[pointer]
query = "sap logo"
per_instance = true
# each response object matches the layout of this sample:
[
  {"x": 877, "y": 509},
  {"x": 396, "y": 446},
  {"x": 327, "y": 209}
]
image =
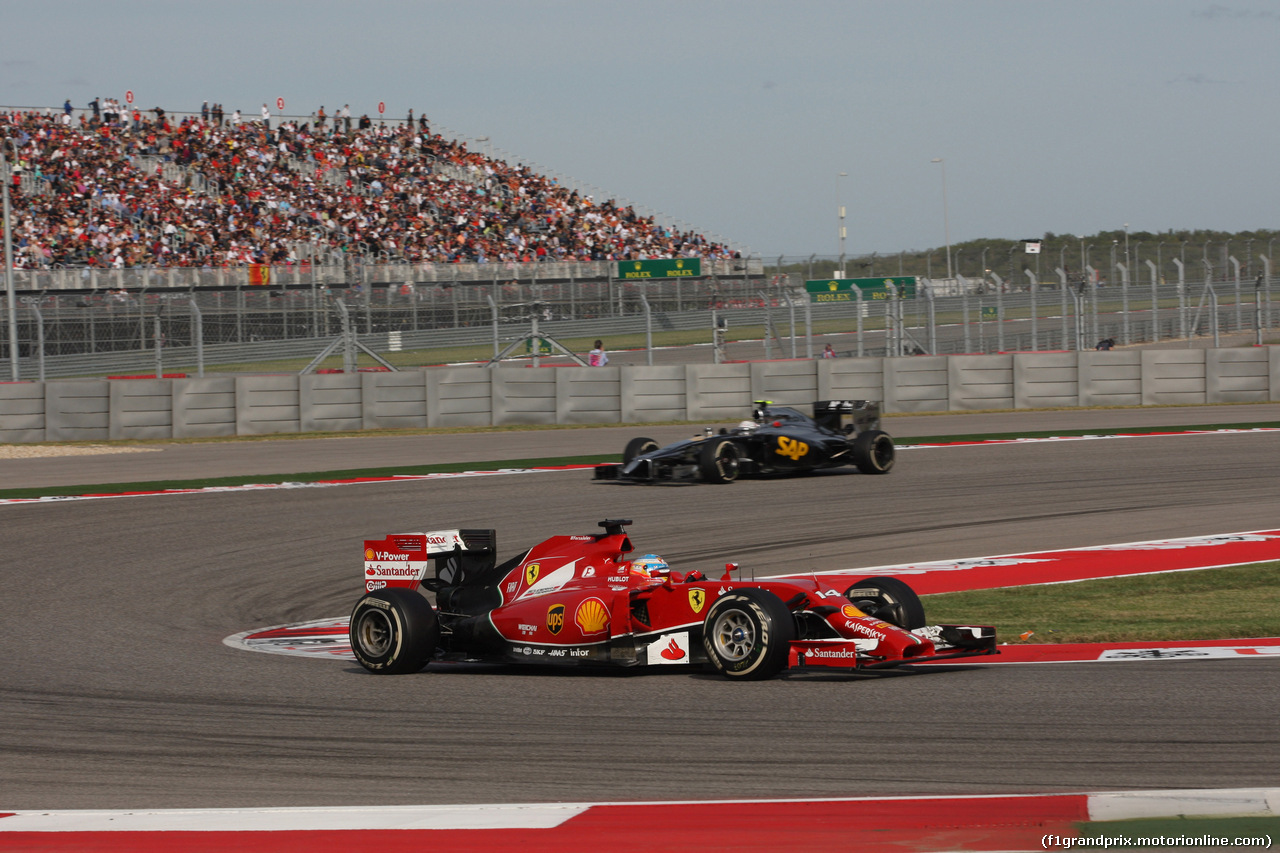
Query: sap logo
[{"x": 791, "y": 448}]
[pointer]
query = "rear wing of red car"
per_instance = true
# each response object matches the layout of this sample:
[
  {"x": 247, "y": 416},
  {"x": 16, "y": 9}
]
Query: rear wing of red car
[{"x": 402, "y": 559}]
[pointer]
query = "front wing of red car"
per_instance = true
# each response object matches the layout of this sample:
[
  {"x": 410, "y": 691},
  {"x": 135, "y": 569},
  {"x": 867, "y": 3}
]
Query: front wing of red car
[{"x": 924, "y": 645}]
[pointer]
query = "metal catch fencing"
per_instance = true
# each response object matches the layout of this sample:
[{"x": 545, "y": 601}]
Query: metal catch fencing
[{"x": 251, "y": 330}]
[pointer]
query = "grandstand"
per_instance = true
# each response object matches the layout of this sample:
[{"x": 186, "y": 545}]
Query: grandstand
[{"x": 127, "y": 189}]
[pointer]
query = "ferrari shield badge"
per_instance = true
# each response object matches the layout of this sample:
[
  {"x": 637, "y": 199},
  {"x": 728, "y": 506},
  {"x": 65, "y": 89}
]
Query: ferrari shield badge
[
  {"x": 531, "y": 573},
  {"x": 697, "y": 598}
]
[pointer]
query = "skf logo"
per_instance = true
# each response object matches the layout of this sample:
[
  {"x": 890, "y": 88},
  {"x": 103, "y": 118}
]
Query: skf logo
[
  {"x": 592, "y": 616},
  {"x": 555, "y": 618},
  {"x": 697, "y": 598},
  {"x": 791, "y": 448},
  {"x": 531, "y": 573}
]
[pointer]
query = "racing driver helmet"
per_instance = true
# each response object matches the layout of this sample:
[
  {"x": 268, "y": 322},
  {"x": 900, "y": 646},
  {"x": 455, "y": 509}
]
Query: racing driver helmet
[{"x": 648, "y": 566}]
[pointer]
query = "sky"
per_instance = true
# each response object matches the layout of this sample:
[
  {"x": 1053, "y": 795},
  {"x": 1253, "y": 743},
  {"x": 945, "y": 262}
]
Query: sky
[{"x": 738, "y": 118}]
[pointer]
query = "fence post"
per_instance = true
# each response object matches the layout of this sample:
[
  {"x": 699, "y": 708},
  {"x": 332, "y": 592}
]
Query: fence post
[
  {"x": 857, "y": 295},
  {"x": 808, "y": 328},
  {"x": 1155, "y": 302},
  {"x": 1035, "y": 309},
  {"x": 648, "y": 329},
  {"x": 999, "y": 311},
  {"x": 1124, "y": 303},
  {"x": 197, "y": 331},
  {"x": 33, "y": 303},
  {"x": 493, "y": 309},
  {"x": 1266, "y": 271},
  {"x": 933, "y": 317},
  {"x": 1239, "y": 296}
]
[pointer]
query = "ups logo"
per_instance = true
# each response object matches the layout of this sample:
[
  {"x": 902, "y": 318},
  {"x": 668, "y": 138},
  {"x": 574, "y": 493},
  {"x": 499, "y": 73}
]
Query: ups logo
[
  {"x": 555, "y": 618},
  {"x": 791, "y": 448}
]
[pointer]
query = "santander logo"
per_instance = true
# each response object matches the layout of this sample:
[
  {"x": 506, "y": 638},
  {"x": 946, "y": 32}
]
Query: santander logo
[{"x": 673, "y": 651}]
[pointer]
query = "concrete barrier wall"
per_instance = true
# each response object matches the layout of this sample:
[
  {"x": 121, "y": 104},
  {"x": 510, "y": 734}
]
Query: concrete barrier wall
[{"x": 100, "y": 409}]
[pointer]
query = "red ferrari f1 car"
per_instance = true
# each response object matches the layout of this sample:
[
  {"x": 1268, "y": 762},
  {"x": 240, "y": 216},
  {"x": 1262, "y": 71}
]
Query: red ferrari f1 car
[{"x": 575, "y": 600}]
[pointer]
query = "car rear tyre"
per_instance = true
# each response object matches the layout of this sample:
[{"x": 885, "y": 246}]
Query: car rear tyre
[
  {"x": 873, "y": 452},
  {"x": 747, "y": 634},
  {"x": 394, "y": 631},
  {"x": 719, "y": 461},
  {"x": 889, "y": 599},
  {"x": 638, "y": 447}
]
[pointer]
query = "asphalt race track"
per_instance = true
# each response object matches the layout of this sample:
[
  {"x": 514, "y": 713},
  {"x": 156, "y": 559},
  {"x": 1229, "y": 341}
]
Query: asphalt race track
[{"x": 116, "y": 690}]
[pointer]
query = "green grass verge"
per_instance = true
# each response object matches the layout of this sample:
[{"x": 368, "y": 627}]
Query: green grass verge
[
  {"x": 314, "y": 476},
  {"x": 1066, "y": 433},
  {"x": 1230, "y": 602},
  {"x": 307, "y": 477},
  {"x": 1198, "y": 832}
]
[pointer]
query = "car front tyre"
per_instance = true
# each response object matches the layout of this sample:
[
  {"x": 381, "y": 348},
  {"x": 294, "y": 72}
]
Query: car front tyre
[
  {"x": 747, "y": 634},
  {"x": 719, "y": 461},
  {"x": 393, "y": 631},
  {"x": 638, "y": 447},
  {"x": 889, "y": 599}
]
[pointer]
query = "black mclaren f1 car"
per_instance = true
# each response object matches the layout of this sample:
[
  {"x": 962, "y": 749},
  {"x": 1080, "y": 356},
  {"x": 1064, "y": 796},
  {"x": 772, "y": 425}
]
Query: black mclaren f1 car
[{"x": 775, "y": 440}]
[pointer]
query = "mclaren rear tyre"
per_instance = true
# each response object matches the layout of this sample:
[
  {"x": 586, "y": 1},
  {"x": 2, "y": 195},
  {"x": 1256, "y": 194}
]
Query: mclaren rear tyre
[
  {"x": 394, "y": 631},
  {"x": 873, "y": 452},
  {"x": 889, "y": 599},
  {"x": 719, "y": 461},
  {"x": 638, "y": 447},
  {"x": 747, "y": 634}
]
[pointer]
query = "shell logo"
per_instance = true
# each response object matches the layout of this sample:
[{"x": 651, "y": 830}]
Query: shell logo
[
  {"x": 368, "y": 553},
  {"x": 592, "y": 616},
  {"x": 851, "y": 611}
]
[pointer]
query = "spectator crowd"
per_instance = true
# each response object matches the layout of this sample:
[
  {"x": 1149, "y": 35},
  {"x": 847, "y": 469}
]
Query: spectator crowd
[{"x": 118, "y": 187}]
